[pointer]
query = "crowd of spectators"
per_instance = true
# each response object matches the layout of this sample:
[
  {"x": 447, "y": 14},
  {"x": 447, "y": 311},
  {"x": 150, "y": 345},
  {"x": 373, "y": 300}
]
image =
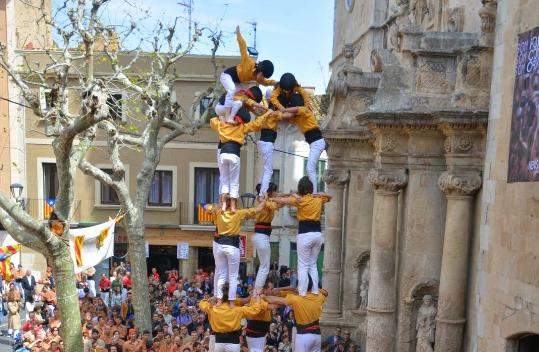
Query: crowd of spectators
[{"x": 107, "y": 312}]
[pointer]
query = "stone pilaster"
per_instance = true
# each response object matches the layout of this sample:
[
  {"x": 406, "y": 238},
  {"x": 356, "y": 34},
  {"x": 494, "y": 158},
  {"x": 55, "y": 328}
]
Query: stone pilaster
[
  {"x": 381, "y": 325},
  {"x": 336, "y": 180},
  {"x": 459, "y": 190}
]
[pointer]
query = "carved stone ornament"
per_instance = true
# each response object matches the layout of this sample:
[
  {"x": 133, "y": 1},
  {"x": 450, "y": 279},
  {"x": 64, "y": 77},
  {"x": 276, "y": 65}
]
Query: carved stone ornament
[
  {"x": 488, "y": 16},
  {"x": 338, "y": 84},
  {"x": 376, "y": 61},
  {"x": 464, "y": 184},
  {"x": 336, "y": 177},
  {"x": 388, "y": 180},
  {"x": 350, "y": 5}
]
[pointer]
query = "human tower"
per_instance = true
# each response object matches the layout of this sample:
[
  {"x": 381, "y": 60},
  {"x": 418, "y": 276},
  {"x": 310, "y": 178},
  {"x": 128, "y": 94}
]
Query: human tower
[{"x": 288, "y": 101}]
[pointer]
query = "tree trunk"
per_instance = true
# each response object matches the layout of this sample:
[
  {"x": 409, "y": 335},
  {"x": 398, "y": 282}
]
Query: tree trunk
[
  {"x": 68, "y": 299},
  {"x": 139, "y": 271}
]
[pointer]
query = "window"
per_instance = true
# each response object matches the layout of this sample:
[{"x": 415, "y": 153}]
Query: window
[
  {"x": 108, "y": 195},
  {"x": 320, "y": 170},
  {"x": 50, "y": 181},
  {"x": 161, "y": 189},
  {"x": 206, "y": 190},
  {"x": 204, "y": 103},
  {"x": 45, "y": 99},
  {"x": 115, "y": 103}
]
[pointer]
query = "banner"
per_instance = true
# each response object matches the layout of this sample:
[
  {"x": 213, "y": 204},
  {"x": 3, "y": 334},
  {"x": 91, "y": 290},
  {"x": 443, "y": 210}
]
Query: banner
[
  {"x": 243, "y": 246},
  {"x": 182, "y": 250},
  {"x": 147, "y": 249},
  {"x": 5, "y": 259},
  {"x": 89, "y": 246},
  {"x": 524, "y": 141}
]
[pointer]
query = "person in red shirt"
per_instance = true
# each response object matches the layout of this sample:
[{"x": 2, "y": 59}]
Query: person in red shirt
[
  {"x": 172, "y": 286},
  {"x": 155, "y": 276},
  {"x": 126, "y": 280},
  {"x": 104, "y": 288}
]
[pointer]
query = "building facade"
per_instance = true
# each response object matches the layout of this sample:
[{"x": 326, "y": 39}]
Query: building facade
[
  {"x": 428, "y": 243},
  {"x": 187, "y": 176}
]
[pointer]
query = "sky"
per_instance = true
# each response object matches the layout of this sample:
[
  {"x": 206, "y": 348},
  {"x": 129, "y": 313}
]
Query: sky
[{"x": 296, "y": 35}]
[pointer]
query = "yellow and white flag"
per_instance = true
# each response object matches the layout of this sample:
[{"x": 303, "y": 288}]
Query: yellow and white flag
[{"x": 89, "y": 246}]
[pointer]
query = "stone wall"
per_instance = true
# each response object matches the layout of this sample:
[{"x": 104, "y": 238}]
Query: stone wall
[{"x": 505, "y": 278}]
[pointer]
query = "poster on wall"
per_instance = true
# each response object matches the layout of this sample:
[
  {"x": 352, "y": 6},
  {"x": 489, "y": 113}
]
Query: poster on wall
[{"x": 524, "y": 141}]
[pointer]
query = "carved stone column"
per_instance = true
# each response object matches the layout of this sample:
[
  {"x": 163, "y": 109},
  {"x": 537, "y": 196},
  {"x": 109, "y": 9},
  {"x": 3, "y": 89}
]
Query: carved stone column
[
  {"x": 336, "y": 181},
  {"x": 459, "y": 189},
  {"x": 381, "y": 325}
]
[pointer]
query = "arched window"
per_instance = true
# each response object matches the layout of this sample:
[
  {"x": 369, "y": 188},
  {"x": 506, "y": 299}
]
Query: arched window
[{"x": 523, "y": 342}]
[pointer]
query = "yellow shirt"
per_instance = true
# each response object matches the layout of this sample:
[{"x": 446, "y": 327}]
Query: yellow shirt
[
  {"x": 245, "y": 100},
  {"x": 227, "y": 222},
  {"x": 297, "y": 89},
  {"x": 305, "y": 120},
  {"x": 265, "y": 312},
  {"x": 246, "y": 68},
  {"x": 306, "y": 309},
  {"x": 224, "y": 318},
  {"x": 309, "y": 207},
  {"x": 236, "y": 133},
  {"x": 267, "y": 214}
]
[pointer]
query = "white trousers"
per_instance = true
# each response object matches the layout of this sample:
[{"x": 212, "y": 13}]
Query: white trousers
[
  {"x": 256, "y": 344},
  {"x": 265, "y": 150},
  {"x": 229, "y": 174},
  {"x": 212, "y": 343},
  {"x": 220, "y": 110},
  {"x": 227, "y": 265},
  {"x": 316, "y": 149},
  {"x": 261, "y": 243},
  {"x": 91, "y": 286},
  {"x": 308, "y": 245},
  {"x": 307, "y": 343},
  {"x": 219, "y": 166},
  {"x": 227, "y": 347}
]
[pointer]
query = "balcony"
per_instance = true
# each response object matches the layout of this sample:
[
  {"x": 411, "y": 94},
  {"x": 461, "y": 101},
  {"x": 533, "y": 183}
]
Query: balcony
[{"x": 42, "y": 209}]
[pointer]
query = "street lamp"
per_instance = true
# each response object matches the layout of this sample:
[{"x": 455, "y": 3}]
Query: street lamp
[
  {"x": 16, "y": 193},
  {"x": 248, "y": 199}
]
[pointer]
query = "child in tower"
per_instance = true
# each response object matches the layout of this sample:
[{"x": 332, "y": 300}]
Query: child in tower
[
  {"x": 248, "y": 98},
  {"x": 247, "y": 71},
  {"x": 307, "y": 125},
  {"x": 309, "y": 240},
  {"x": 285, "y": 90},
  {"x": 232, "y": 137},
  {"x": 226, "y": 244}
]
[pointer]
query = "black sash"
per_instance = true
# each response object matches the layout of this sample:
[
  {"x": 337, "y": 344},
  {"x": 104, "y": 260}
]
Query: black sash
[
  {"x": 230, "y": 240},
  {"x": 257, "y": 328},
  {"x": 313, "y": 135},
  {"x": 231, "y": 148},
  {"x": 311, "y": 328},
  {"x": 233, "y": 72},
  {"x": 268, "y": 135},
  {"x": 309, "y": 226},
  {"x": 228, "y": 337}
]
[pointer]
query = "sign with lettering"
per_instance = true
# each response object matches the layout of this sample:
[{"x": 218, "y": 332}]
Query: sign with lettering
[
  {"x": 524, "y": 141},
  {"x": 243, "y": 246},
  {"x": 182, "y": 250}
]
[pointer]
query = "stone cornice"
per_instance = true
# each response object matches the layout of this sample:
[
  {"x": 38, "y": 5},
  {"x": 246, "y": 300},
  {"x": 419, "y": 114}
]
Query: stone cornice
[
  {"x": 339, "y": 178},
  {"x": 459, "y": 184},
  {"x": 350, "y": 136},
  {"x": 388, "y": 180},
  {"x": 463, "y": 119}
]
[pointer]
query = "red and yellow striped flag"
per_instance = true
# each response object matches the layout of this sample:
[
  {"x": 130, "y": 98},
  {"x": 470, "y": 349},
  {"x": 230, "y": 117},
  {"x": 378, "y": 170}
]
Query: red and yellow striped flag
[
  {"x": 5, "y": 259},
  {"x": 79, "y": 240}
]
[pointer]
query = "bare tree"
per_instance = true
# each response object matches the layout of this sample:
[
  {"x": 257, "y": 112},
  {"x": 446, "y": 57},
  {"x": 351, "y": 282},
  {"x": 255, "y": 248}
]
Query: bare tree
[
  {"x": 83, "y": 42},
  {"x": 164, "y": 121}
]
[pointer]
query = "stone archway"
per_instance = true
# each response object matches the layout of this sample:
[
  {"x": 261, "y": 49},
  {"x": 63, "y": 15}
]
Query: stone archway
[
  {"x": 411, "y": 305},
  {"x": 361, "y": 266}
]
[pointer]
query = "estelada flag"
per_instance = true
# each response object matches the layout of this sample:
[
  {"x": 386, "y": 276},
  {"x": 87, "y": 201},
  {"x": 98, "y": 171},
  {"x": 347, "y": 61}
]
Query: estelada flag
[
  {"x": 89, "y": 246},
  {"x": 5, "y": 259}
]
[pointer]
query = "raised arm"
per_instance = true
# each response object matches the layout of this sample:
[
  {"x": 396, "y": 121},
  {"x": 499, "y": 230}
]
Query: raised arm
[
  {"x": 323, "y": 195},
  {"x": 275, "y": 300},
  {"x": 284, "y": 200},
  {"x": 243, "y": 46}
]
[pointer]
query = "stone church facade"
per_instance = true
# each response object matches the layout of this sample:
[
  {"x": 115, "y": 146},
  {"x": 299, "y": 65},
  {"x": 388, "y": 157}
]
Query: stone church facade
[{"x": 427, "y": 246}]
